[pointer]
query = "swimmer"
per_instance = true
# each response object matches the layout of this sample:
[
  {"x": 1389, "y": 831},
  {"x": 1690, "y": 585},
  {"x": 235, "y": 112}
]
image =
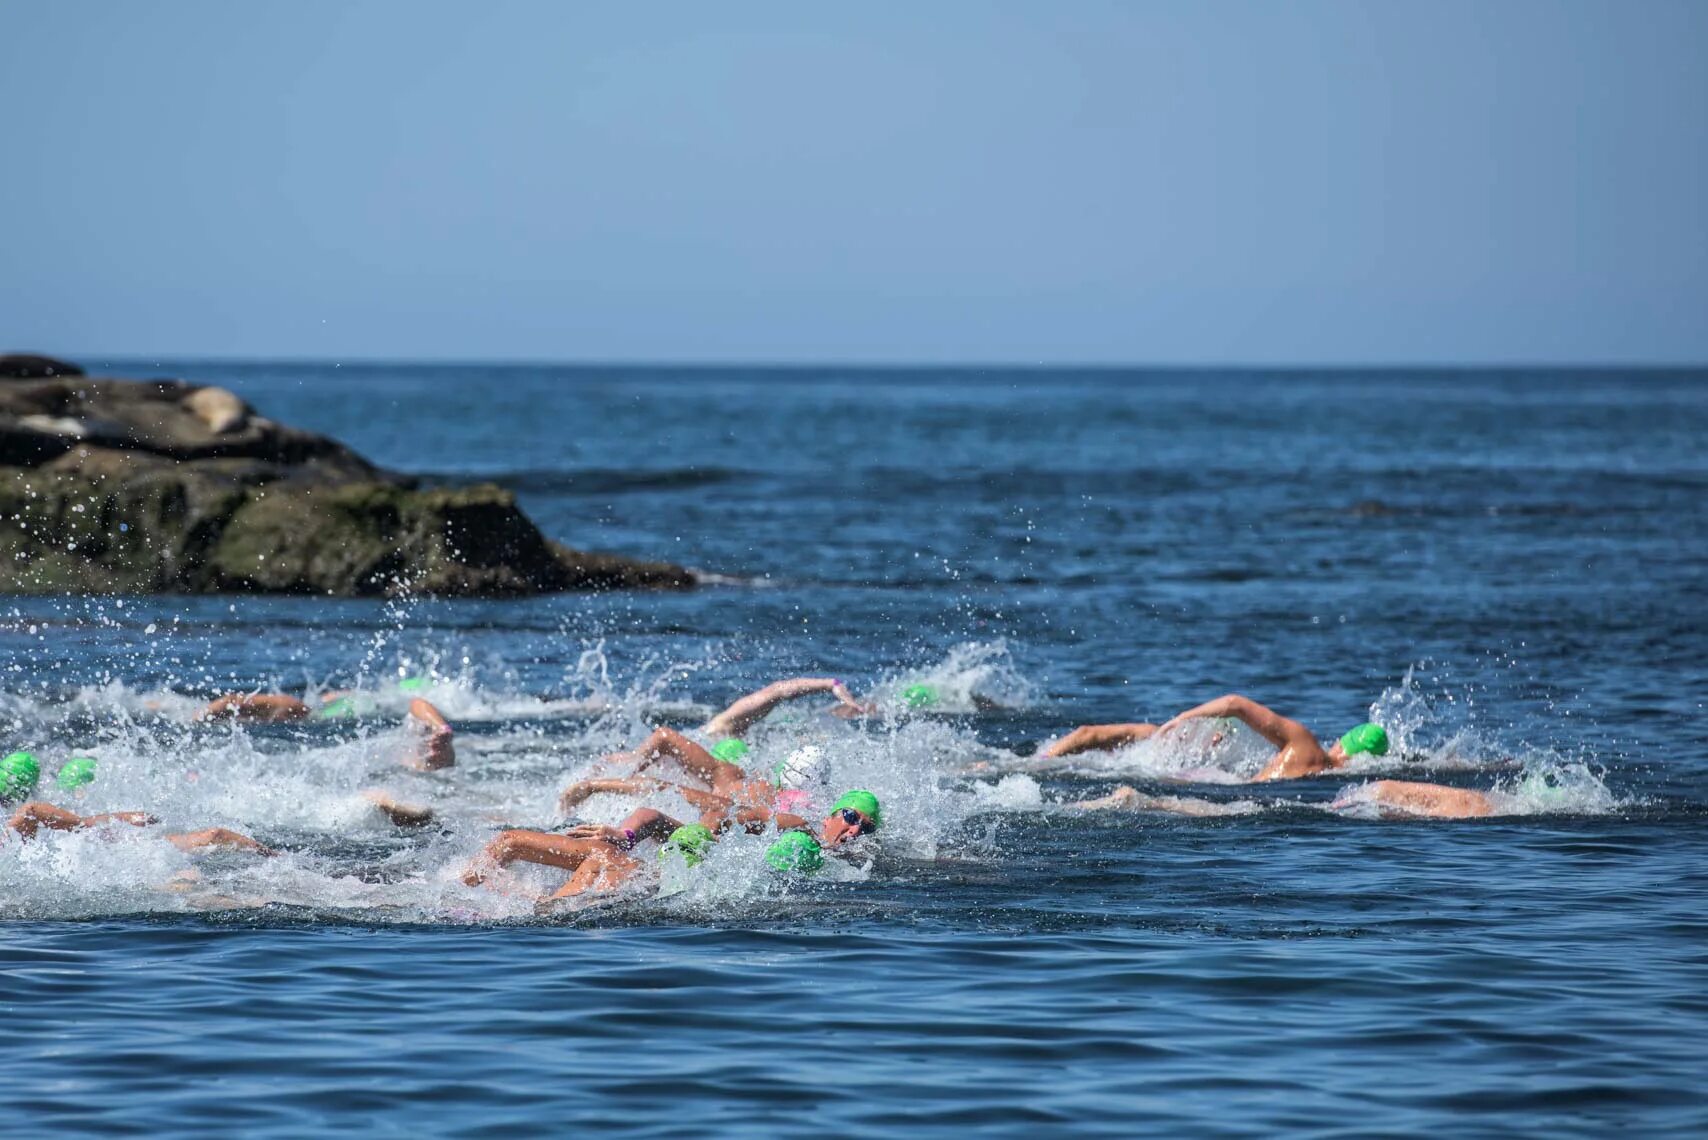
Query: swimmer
[
  {"x": 600, "y": 857},
  {"x": 32, "y": 817},
  {"x": 855, "y": 814},
  {"x": 1392, "y": 799},
  {"x": 1298, "y": 754}
]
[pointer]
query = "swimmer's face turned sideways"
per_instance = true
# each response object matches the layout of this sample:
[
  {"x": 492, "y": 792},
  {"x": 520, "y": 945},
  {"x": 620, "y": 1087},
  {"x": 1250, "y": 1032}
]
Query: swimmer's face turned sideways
[{"x": 855, "y": 815}]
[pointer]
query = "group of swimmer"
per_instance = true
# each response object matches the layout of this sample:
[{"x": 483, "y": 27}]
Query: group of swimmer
[{"x": 793, "y": 802}]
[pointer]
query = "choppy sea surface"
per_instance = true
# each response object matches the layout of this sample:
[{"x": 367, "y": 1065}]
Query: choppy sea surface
[{"x": 1509, "y": 569}]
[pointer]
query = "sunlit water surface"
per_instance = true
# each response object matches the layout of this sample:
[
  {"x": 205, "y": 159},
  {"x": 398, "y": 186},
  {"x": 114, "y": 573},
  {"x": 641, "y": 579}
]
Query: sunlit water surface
[{"x": 1509, "y": 570}]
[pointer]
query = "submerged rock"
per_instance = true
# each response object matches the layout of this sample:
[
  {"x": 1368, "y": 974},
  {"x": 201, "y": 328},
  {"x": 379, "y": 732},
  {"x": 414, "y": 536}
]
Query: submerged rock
[{"x": 118, "y": 486}]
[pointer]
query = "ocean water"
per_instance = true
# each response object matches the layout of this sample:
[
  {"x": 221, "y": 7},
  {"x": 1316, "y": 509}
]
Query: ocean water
[{"x": 1510, "y": 569}]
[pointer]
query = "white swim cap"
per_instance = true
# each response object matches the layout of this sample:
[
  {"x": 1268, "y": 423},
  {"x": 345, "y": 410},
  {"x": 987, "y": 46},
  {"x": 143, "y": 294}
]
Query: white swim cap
[{"x": 806, "y": 768}]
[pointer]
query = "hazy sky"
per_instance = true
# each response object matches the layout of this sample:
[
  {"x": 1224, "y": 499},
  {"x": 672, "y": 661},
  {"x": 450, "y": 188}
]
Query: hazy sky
[{"x": 884, "y": 181}]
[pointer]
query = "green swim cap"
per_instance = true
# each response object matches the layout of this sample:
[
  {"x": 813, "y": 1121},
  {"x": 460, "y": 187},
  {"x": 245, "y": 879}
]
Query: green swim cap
[
  {"x": 863, "y": 802},
  {"x": 1371, "y": 738},
  {"x": 19, "y": 775},
  {"x": 729, "y": 751},
  {"x": 411, "y": 684},
  {"x": 919, "y": 696},
  {"x": 76, "y": 772},
  {"x": 795, "y": 851},
  {"x": 692, "y": 840},
  {"x": 336, "y": 709}
]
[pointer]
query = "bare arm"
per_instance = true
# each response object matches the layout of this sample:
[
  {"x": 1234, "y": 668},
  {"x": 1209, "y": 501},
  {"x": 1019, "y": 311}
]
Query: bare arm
[
  {"x": 217, "y": 839},
  {"x": 401, "y": 814},
  {"x": 605, "y": 868},
  {"x": 1099, "y": 738},
  {"x": 642, "y": 823},
  {"x": 265, "y": 707},
  {"x": 424, "y": 712},
  {"x": 1266, "y": 722},
  {"x": 1128, "y": 798},
  {"x": 35, "y": 815},
  {"x": 753, "y": 819},
  {"x": 437, "y": 750},
  {"x": 755, "y": 707},
  {"x": 524, "y": 846},
  {"x": 578, "y": 793},
  {"x": 1408, "y": 798},
  {"x": 667, "y": 742}
]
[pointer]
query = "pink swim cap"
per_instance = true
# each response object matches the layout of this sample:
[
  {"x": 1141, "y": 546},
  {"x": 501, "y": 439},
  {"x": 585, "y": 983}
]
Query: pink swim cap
[{"x": 794, "y": 800}]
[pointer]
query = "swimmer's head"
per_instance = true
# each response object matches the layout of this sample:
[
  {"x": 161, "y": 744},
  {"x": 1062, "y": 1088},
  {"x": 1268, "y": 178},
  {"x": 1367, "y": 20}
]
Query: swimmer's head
[
  {"x": 857, "y": 813},
  {"x": 76, "y": 772},
  {"x": 19, "y": 775},
  {"x": 338, "y": 708},
  {"x": 692, "y": 841},
  {"x": 919, "y": 696},
  {"x": 730, "y": 751},
  {"x": 1371, "y": 738},
  {"x": 795, "y": 851},
  {"x": 805, "y": 768},
  {"x": 412, "y": 684}
]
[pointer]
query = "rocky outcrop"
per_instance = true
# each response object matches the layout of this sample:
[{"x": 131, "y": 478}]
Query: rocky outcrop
[
  {"x": 28, "y": 366},
  {"x": 118, "y": 486}
]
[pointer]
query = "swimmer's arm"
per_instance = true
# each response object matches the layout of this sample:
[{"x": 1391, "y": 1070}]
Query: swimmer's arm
[
  {"x": 650, "y": 823},
  {"x": 668, "y": 742},
  {"x": 755, "y": 707},
  {"x": 1129, "y": 798},
  {"x": 1410, "y": 798},
  {"x": 602, "y": 869},
  {"x": 399, "y": 813},
  {"x": 256, "y": 706},
  {"x": 424, "y": 712},
  {"x": 1264, "y": 721},
  {"x": 1099, "y": 738},
  {"x": 753, "y": 819},
  {"x": 438, "y": 749},
  {"x": 642, "y": 823},
  {"x": 218, "y": 839},
  {"x": 580, "y": 791},
  {"x": 35, "y": 815}
]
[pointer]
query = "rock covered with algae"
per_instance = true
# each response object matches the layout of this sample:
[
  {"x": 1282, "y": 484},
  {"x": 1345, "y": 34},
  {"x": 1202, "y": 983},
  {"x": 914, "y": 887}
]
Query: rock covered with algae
[{"x": 119, "y": 486}]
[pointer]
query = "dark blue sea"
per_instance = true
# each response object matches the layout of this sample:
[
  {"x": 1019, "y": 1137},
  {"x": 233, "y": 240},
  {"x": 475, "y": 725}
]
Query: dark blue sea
[{"x": 1508, "y": 569}]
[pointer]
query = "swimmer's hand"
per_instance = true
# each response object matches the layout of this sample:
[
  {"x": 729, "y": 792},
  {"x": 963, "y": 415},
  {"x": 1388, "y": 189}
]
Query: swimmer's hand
[
  {"x": 848, "y": 705},
  {"x": 134, "y": 818},
  {"x": 609, "y": 834}
]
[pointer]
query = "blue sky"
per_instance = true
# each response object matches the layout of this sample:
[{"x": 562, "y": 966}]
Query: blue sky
[{"x": 993, "y": 182}]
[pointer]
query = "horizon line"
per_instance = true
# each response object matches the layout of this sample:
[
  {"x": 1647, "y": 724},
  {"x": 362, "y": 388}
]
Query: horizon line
[{"x": 724, "y": 365}]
